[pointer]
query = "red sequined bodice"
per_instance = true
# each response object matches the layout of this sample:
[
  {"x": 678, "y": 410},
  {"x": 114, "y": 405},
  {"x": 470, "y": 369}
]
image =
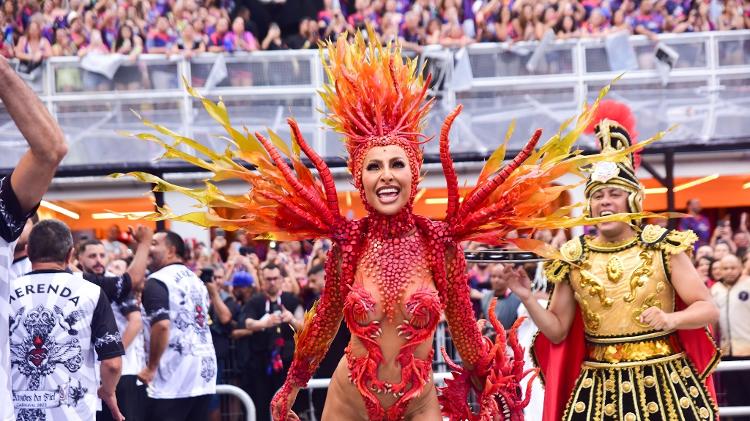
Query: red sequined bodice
[{"x": 392, "y": 302}]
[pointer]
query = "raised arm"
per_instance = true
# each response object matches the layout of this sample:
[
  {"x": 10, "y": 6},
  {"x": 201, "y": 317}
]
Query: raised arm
[
  {"x": 37, "y": 166},
  {"x": 312, "y": 342},
  {"x": 137, "y": 268},
  {"x": 554, "y": 322}
]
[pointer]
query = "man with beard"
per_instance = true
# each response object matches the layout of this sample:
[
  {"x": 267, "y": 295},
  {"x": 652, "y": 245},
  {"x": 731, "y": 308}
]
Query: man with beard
[
  {"x": 732, "y": 296},
  {"x": 21, "y": 192},
  {"x": 92, "y": 260},
  {"x": 181, "y": 368}
]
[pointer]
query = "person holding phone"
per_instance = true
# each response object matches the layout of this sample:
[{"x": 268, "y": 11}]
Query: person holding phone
[{"x": 272, "y": 316}]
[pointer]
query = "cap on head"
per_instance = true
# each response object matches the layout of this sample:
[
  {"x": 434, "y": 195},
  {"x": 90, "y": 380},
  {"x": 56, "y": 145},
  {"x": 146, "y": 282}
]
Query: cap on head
[{"x": 242, "y": 279}]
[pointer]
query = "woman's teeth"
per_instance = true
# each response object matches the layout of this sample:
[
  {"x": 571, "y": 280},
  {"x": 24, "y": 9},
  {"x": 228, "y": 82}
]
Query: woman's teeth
[
  {"x": 605, "y": 213},
  {"x": 387, "y": 194}
]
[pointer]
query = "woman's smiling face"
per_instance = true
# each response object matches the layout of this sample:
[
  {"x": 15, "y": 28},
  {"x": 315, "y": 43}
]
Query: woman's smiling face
[{"x": 386, "y": 179}]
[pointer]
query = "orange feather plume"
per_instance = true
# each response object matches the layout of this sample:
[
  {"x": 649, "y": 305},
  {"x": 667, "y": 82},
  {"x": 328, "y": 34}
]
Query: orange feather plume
[{"x": 375, "y": 97}]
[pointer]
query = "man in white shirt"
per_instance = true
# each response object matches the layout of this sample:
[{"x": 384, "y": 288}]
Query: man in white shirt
[
  {"x": 60, "y": 325},
  {"x": 20, "y": 194},
  {"x": 181, "y": 368},
  {"x": 732, "y": 297},
  {"x": 93, "y": 260}
]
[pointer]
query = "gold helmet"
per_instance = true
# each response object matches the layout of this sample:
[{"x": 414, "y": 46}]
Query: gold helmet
[{"x": 614, "y": 127}]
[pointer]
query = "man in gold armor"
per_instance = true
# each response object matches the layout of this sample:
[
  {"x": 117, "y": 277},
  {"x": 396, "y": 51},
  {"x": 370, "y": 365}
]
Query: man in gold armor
[{"x": 624, "y": 336}]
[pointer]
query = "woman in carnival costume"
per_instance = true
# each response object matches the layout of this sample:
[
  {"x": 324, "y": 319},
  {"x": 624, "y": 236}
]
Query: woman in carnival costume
[
  {"x": 391, "y": 274},
  {"x": 625, "y": 336}
]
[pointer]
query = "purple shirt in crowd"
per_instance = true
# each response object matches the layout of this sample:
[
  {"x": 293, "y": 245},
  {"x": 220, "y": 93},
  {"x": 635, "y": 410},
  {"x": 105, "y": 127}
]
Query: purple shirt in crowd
[{"x": 700, "y": 225}]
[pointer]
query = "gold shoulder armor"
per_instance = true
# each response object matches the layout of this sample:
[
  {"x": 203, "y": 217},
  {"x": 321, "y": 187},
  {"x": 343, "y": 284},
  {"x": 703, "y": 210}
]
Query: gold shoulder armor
[
  {"x": 652, "y": 234},
  {"x": 670, "y": 241},
  {"x": 558, "y": 270},
  {"x": 572, "y": 250},
  {"x": 679, "y": 241}
]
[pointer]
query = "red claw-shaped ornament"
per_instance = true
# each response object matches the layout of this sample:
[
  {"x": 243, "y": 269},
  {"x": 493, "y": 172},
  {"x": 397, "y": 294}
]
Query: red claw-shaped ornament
[{"x": 499, "y": 376}]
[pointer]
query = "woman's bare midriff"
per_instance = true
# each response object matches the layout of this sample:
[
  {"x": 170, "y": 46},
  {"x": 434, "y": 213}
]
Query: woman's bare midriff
[{"x": 344, "y": 401}]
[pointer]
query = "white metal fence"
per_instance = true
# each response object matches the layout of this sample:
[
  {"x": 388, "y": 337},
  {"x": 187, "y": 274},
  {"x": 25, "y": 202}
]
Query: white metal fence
[{"x": 539, "y": 85}]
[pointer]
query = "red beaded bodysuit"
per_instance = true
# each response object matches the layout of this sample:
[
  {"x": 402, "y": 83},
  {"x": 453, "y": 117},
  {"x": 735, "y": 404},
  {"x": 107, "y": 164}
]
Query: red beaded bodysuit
[{"x": 389, "y": 277}]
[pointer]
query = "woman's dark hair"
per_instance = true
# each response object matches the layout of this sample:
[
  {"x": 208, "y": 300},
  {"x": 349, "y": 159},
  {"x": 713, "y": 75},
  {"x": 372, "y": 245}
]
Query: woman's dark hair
[
  {"x": 120, "y": 40},
  {"x": 710, "y": 262},
  {"x": 559, "y": 26}
]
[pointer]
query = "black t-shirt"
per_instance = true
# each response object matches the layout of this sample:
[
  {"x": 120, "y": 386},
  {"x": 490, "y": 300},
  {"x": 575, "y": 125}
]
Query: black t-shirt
[
  {"x": 117, "y": 288},
  {"x": 264, "y": 342},
  {"x": 221, "y": 333},
  {"x": 12, "y": 217},
  {"x": 129, "y": 305},
  {"x": 104, "y": 333},
  {"x": 156, "y": 300}
]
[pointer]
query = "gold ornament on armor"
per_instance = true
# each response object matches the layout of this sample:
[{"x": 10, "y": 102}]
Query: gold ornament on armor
[
  {"x": 594, "y": 285},
  {"x": 590, "y": 318},
  {"x": 640, "y": 275},
  {"x": 614, "y": 269},
  {"x": 650, "y": 301}
]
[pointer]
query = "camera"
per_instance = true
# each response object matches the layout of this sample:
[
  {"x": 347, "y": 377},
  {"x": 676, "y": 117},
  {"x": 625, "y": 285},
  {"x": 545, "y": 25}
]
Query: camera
[{"x": 207, "y": 275}]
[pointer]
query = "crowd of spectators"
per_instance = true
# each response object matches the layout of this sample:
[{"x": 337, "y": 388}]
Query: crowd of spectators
[
  {"x": 256, "y": 341},
  {"x": 33, "y": 30}
]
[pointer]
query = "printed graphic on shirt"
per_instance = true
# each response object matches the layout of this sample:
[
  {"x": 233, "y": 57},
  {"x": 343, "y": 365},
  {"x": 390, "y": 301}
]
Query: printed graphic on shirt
[
  {"x": 208, "y": 369},
  {"x": 193, "y": 317},
  {"x": 40, "y": 352}
]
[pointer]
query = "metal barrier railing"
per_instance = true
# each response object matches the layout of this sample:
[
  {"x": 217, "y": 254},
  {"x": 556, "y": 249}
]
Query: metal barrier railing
[
  {"x": 725, "y": 411},
  {"x": 496, "y": 83},
  {"x": 228, "y": 389}
]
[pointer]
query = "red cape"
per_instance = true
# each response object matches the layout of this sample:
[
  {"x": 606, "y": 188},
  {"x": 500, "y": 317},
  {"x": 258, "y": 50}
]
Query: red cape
[{"x": 560, "y": 364}]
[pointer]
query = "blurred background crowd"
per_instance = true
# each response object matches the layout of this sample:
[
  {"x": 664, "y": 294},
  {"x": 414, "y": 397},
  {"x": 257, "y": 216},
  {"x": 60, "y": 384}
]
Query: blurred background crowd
[
  {"x": 236, "y": 267},
  {"x": 32, "y": 30}
]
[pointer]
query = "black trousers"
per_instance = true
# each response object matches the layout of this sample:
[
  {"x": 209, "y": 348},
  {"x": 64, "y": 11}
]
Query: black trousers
[
  {"x": 183, "y": 409},
  {"x": 261, "y": 387},
  {"x": 131, "y": 399}
]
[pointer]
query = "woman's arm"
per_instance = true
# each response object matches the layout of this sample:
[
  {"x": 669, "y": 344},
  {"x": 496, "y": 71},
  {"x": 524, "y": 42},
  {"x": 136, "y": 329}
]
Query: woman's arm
[
  {"x": 20, "y": 49},
  {"x": 459, "y": 312},
  {"x": 315, "y": 338}
]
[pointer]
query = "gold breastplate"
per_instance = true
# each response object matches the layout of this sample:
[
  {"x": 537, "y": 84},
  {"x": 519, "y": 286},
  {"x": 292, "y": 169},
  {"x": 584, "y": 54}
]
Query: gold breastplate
[{"x": 613, "y": 285}]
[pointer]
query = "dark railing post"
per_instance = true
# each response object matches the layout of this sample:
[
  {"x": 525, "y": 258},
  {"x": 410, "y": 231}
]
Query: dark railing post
[
  {"x": 159, "y": 199},
  {"x": 669, "y": 178}
]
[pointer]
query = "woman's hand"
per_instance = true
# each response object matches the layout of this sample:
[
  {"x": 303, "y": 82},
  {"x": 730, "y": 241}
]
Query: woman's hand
[{"x": 281, "y": 405}]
